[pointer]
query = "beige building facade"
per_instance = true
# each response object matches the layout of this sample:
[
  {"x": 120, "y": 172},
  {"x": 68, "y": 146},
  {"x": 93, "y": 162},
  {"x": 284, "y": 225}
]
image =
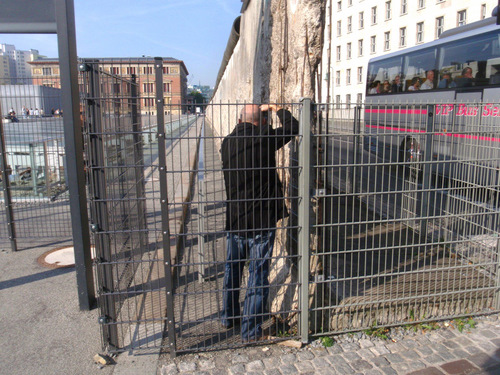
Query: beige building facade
[
  {"x": 358, "y": 30},
  {"x": 45, "y": 72}
]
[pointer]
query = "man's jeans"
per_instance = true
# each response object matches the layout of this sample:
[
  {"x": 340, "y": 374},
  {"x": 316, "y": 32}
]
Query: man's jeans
[{"x": 257, "y": 250}]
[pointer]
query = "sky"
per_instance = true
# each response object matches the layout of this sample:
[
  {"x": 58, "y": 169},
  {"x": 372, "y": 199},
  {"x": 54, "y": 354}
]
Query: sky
[{"x": 195, "y": 31}]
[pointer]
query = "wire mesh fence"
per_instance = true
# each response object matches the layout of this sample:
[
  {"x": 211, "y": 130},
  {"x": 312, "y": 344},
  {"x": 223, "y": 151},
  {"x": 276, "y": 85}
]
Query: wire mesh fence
[
  {"x": 391, "y": 218},
  {"x": 34, "y": 152},
  {"x": 409, "y": 227}
]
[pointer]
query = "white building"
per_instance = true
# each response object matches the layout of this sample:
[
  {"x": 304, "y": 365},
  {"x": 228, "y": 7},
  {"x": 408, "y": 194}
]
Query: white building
[
  {"x": 358, "y": 30},
  {"x": 19, "y": 70}
]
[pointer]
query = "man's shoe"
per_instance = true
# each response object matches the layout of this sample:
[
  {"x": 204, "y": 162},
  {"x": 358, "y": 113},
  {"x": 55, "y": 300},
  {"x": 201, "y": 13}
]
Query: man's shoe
[{"x": 230, "y": 323}]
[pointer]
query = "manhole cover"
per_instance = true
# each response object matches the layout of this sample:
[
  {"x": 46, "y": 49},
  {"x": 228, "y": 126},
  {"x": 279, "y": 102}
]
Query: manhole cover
[{"x": 59, "y": 258}]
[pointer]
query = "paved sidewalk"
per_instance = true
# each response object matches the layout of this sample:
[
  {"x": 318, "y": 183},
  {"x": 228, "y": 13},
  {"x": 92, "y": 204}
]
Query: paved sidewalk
[{"x": 443, "y": 351}]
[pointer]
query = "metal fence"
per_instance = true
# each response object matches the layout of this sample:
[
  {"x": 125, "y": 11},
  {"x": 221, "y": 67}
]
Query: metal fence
[
  {"x": 35, "y": 203},
  {"x": 393, "y": 217},
  {"x": 410, "y": 217}
]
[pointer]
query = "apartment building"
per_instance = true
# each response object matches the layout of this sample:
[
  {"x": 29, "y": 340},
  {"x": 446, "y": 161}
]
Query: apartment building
[
  {"x": 46, "y": 73},
  {"x": 19, "y": 68},
  {"x": 358, "y": 30}
]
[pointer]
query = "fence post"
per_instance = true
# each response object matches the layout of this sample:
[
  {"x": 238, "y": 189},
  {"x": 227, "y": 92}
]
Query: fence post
[
  {"x": 139, "y": 163},
  {"x": 33, "y": 167},
  {"x": 165, "y": 221},
  {"x": 66, "y": 40},
  {"x": 304, "y": 191},
  {"x": 426, "y": 173},
  {"x": 5, "y": 169},
  {"x": 99, "y": 209}
]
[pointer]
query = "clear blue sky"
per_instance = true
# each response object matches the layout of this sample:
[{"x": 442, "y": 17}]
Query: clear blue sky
[{"x": 195, "y": 31}]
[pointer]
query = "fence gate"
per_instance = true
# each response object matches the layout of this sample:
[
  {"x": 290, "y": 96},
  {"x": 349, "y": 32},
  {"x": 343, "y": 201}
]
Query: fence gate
[
  {"x": 35, "y": 203},
  {"x": 157, "y": 205}
]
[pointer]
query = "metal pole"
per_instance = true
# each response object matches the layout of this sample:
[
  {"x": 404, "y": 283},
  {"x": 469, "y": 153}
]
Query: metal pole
[
  {"x": 165, "y": 221},
  {"x": 66, "y": 38},
  {"x": 33, "y": 167},
  {"x": 201, "y": 206},
  {"x": 304, "y": 215},
  {"x": 426, "y": 174},
  {"x": 6, "y": 170},
  {"x": 99, "y": 209},
  {"x": 47, "y": 168},
  {"x": 139, "y": 166}
]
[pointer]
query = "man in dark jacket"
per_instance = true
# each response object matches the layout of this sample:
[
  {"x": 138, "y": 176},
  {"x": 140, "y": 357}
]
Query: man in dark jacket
[{"x": 255, "y": 202}]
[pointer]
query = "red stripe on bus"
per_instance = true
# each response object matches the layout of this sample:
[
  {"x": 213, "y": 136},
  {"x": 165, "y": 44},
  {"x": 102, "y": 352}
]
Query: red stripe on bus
[
  {"x": 466, "y": 136},
  {"x": 475, "y": 137},
  {"x": 396, "y": 129},
  {"x": 398, "y": 111}
]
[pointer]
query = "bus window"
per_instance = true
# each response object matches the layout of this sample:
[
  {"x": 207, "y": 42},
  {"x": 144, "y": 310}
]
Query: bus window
[
  {"x": 381, "y": 71},
  {"x": 416, "y": 64},
  {"x": 471, "y": 62}
]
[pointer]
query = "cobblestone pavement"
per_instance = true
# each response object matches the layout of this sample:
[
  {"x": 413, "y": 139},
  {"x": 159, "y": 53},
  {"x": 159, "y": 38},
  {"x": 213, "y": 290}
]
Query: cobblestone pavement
[{"x": 442, "y": 351}]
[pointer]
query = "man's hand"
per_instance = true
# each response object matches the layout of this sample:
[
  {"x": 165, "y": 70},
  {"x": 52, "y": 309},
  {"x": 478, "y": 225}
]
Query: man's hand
[{"x": 269, "y": 107}]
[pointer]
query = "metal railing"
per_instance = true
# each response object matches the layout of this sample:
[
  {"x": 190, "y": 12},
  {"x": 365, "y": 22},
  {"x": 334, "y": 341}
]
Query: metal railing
[
  {"x": 391, "y": 220},
  {"x": 37, "y": 203}
]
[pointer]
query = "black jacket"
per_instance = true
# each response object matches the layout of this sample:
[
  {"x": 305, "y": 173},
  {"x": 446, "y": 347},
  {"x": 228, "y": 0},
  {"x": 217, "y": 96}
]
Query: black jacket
[{"x": 254, "y": 192}]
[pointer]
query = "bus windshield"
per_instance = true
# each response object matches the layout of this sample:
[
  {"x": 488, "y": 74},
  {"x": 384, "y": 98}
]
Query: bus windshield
[{"x": 465, "y": 63}]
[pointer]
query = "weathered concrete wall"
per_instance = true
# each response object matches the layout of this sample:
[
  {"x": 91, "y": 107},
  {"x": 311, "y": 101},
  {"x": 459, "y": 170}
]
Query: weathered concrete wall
[{"x": 275, "y": 61}]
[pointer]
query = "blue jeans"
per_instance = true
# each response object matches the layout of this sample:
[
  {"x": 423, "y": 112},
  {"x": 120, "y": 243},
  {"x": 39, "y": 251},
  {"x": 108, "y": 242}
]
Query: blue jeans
[{"x": 257, "y": 250}]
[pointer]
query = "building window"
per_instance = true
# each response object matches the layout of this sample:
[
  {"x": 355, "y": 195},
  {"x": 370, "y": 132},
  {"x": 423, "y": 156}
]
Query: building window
[
  {"x": 387, "y": 41},
  {"x": 130, "y": 70},
  {"x": 439, "y": 26},
  {"x": 338, "y": 53},
  {"x": 348, "y": 100},
  {"x": 461, "y": 18},
  {"x": 115, "y": 70},
  {"x": 337, "y": 100},
  {"x": 349, "y": 51},
  {"x": 148, "y": 87},
  {"x": 404, "y": 7},
  {"x": 361, "y": 20},
  {"x": 167, "y": 87},
  {"x": 373, "y": 44},
  {"x": 360, "y": 47},
  {"x": 149, "y": 102},
  {"x": 402, "y": 37},
  {"x": 349, "y": 3},
  {"x": 421, "y": 4},
  {"x": 337, "y": 77},
  {"x": 147, "y": 70},
  {"x": 420, "y": 32},
  {"x": 339, "y": 28},
  {"x": 360, "y": 74},
  {"x": 116, "y": 88},
  {"x": 166, "y": 70},
  {"x": 374, "y": 15},
  {"x": 349, "y": 24},
  {"x": 388, "y": 10},
  {"x": 359, "y": 99},
  {"x": 47, "y": 71},
  {"x": 483, "y": 11},
  {"x": 339, "y": 5},
  {"x": 348, "y": 76}
]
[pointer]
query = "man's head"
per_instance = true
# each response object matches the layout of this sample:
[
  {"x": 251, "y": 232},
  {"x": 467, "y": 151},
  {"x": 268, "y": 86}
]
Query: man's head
[
  {"x": 397, "y": 80},
  {"x": 252, "y": 113},
  {"x": 467, "y": 72},
  {"x": 429, "y": 75}
]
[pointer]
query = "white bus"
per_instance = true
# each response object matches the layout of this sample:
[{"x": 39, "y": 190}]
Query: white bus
[{"x": 459, "y": 76}]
